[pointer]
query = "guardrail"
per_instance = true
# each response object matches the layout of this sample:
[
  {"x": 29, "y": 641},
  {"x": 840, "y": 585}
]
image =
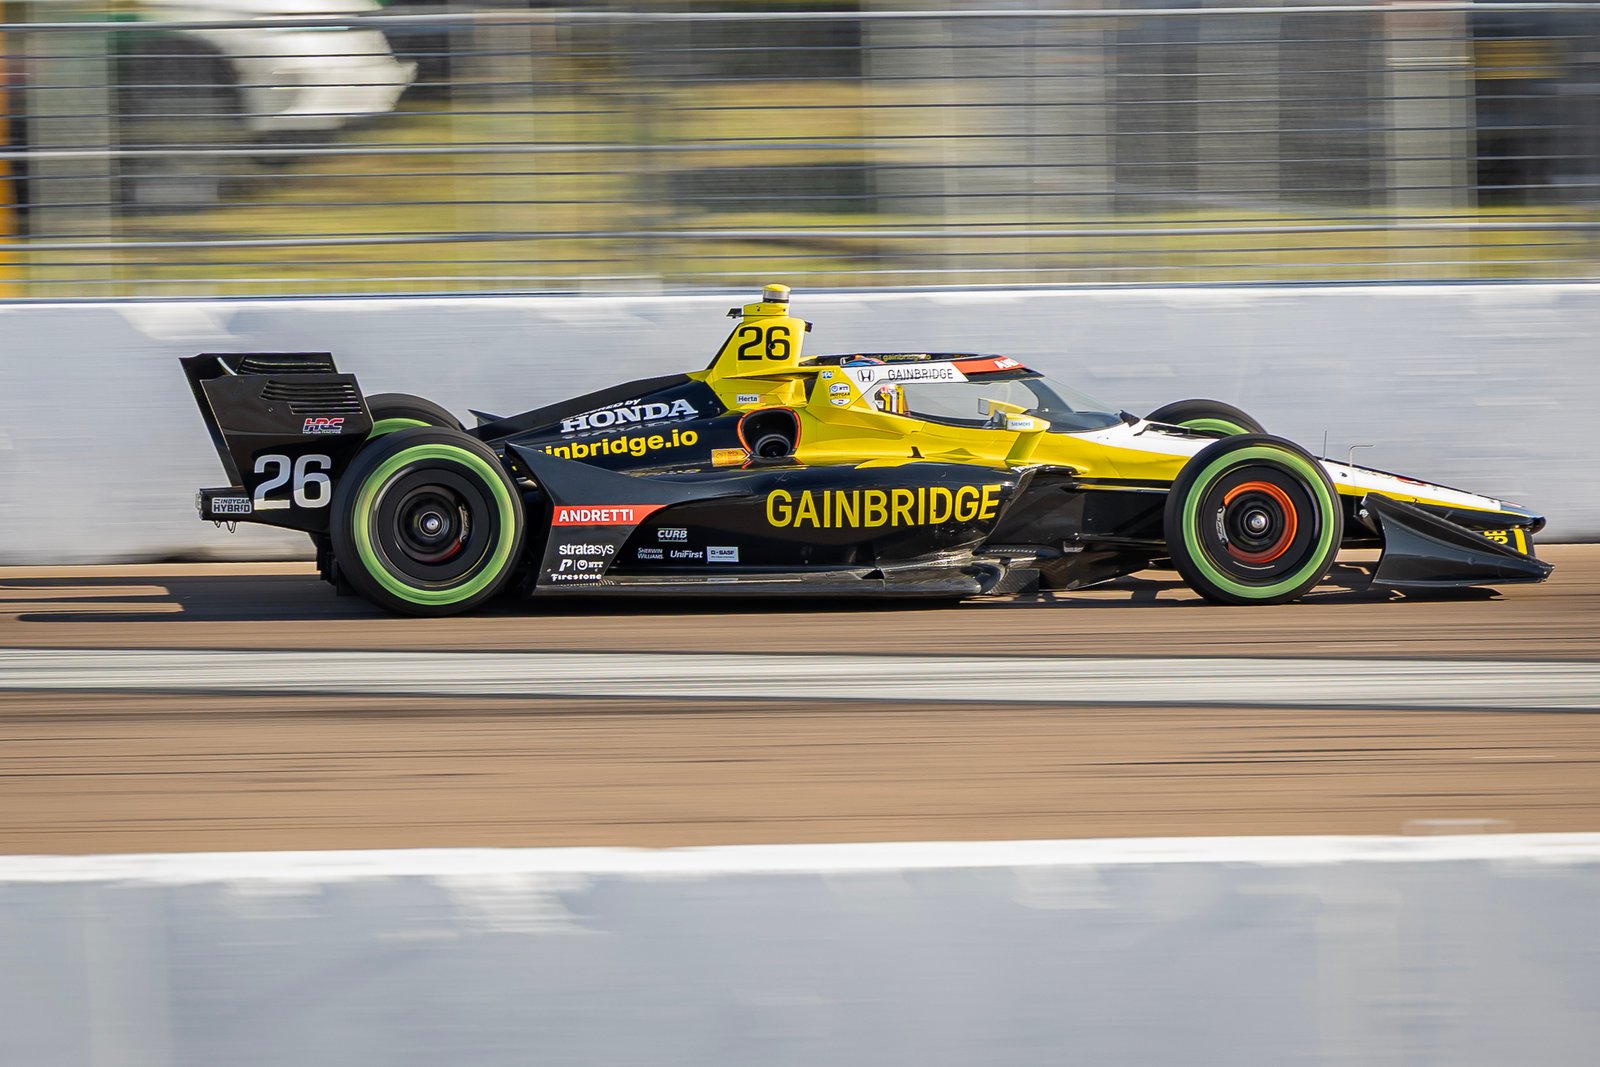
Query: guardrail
[
  {"x": 1461, "y": 950},
  {"x": 1489, "y": 387},
  {"x": 567, "y": 149}
]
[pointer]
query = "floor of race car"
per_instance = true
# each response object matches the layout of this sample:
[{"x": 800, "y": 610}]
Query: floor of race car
[{"x": 172, "y": 753}]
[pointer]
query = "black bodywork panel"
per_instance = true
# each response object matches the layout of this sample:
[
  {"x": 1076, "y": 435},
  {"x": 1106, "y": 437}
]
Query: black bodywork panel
[
  {"x": 285, "y": 425},
  {"x": 1422, "y": 549},
  {"x": 815, "y": 527}
]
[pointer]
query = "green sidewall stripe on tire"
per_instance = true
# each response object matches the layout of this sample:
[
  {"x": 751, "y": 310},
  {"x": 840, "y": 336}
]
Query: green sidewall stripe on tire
[
  {"x": 1214, "y": 425},
  {"x": 383, "y": 426},
  {"x": 1191, "y": 507},
  {"x": 362, "y": 516}
]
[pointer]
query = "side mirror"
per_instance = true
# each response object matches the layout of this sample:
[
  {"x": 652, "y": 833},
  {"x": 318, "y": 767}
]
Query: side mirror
[{"x": 1006, "y": 416}]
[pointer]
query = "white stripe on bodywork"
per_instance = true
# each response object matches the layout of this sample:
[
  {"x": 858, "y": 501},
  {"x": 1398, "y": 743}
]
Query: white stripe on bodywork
[{"x": 1141, "y": 438}]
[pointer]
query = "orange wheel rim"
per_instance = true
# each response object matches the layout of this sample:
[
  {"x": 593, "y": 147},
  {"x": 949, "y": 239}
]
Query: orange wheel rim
[{"x": 1291, "y": 524}]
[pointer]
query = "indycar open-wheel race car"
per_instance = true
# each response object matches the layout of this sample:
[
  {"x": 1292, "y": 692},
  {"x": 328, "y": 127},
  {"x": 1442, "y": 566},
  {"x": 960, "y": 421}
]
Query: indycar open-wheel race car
[{"x": 773, "y": 473}]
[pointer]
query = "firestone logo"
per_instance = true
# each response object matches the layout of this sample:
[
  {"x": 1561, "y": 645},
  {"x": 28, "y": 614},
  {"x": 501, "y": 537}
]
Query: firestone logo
[
  {"x": 323, "y": 425},
  {"x": 627, "y": 413},
  {"x": 604, "y": 514}
]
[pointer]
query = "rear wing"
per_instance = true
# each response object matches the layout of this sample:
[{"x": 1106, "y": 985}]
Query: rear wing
[{"x": 285, "y": 425}]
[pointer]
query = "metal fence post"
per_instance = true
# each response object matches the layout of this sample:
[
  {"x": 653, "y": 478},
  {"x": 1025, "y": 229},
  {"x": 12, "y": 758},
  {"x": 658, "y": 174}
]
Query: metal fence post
[
  {"x": 70, "y": 105},
  {"x": 10, "y": 221}
]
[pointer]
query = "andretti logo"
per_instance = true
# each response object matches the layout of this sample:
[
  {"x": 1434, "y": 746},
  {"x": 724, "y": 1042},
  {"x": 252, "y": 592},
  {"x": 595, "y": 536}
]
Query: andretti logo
[{"x": 604, "y": 514}]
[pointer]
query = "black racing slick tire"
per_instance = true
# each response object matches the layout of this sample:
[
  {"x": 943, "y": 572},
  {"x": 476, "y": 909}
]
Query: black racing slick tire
[
  {"x": 1212, "y": 418},
  {"x": 427, "y": 522},
  {"x": 401, "y": 411},
  {"x": 1253, "y": 519}
]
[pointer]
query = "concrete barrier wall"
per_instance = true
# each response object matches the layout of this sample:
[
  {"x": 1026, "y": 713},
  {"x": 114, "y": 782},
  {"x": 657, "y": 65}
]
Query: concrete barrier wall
[
  {"x": 1492, "y": 387},
  {"x": 1361, "y": 951}
]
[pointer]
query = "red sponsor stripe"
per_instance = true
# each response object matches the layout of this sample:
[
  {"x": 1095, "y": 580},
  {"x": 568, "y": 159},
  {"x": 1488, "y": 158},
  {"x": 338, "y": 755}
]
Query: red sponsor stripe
[
  {"x": 983, "y": 366},
  {"x": 603, "y": 514}
]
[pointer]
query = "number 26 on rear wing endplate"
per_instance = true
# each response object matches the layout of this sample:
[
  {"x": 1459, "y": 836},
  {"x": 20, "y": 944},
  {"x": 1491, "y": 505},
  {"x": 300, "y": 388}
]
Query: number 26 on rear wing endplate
[{"x": 285, "y": 425}]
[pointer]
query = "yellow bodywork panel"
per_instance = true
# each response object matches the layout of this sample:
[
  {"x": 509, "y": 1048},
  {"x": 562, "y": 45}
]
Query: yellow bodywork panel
[{"x": 843, "y": 420}]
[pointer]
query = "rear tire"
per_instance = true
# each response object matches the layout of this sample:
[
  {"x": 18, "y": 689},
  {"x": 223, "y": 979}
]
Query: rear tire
[
  {"x": 402, "y": 411},
  {"x": 1253, "y": 520},
  {"x": 1211, "y": 418},
  {"x": 426, "y": 522}
]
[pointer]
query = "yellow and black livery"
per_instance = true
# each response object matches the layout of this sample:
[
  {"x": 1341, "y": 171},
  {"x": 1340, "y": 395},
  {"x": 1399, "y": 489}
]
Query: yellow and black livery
[{"x": 776, "y": 473}]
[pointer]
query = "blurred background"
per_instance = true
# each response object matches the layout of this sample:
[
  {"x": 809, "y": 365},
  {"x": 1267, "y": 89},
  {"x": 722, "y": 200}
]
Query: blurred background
[
  {"x": 1024, "y": 163},
  {"x": 258, "y": 147}
]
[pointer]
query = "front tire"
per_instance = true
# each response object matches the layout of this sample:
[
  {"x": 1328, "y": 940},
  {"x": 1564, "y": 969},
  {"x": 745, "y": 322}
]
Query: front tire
[
  {"x": 1253, "y": 519},
  {"x": 1211, "y": 418},
  {"x": 427, "y": 522}
]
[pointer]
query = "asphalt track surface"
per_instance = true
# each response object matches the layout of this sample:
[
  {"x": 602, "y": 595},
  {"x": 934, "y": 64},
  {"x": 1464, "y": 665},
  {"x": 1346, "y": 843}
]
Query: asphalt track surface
[{"x": 245, "y": 707}]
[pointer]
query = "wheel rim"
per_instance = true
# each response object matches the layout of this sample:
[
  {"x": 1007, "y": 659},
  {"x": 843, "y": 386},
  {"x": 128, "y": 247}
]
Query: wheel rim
[
  {"x": 432, "y": 525},
  {"x": 1260, "y": 521},
  {"x": 395, "y": 513},
  {"x": 1204, "y": 522}
]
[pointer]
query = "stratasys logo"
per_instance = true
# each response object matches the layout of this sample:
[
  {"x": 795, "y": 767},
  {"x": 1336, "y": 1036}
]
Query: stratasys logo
[{"x": 624, "y": 414}]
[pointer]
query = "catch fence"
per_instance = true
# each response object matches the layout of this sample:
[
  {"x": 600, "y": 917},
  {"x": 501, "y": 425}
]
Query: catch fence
[{"x": 507, "y": 148}]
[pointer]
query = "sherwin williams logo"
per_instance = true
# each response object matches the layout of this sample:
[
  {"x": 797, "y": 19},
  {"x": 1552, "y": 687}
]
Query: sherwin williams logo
[
  {"x": 627, "y": 413},
  {"x": 832, "y": 509},
  {"x": 604, "y": 514}
]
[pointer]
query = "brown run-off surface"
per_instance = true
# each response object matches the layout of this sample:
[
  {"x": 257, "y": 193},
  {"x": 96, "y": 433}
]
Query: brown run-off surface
[{"x": 101, "y": 773}]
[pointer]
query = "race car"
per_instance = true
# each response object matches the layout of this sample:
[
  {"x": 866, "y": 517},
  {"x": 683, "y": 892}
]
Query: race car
[{"x": 771, "y": 473}]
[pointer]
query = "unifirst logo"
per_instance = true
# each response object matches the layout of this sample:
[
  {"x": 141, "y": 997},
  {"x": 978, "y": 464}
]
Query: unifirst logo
[
  {"x": 832, "y": 509},
  {"x": 620, "y": 416}
]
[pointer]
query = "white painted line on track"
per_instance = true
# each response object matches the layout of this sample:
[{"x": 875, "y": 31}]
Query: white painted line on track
[
  {"x": 1476, "y": 685},
  {"x": 335, "y": 867}
]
